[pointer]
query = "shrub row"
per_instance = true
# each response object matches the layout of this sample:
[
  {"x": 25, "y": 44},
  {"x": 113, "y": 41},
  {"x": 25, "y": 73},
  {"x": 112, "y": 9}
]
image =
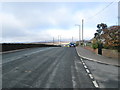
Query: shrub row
[{"x": 15, "y": 46}]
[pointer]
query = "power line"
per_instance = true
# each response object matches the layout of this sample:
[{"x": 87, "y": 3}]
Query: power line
[{"x": 101, "y": 10}]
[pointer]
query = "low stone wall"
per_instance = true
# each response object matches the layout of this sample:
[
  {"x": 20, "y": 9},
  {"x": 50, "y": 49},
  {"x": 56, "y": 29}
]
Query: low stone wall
[
  {"x": 105, "y": 52},
  {"x": 110, "y": 53}
]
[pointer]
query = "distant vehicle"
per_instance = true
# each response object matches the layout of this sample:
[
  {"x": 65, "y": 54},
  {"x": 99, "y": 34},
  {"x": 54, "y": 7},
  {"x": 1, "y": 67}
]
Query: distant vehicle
[{"x": 72, "y": 44}]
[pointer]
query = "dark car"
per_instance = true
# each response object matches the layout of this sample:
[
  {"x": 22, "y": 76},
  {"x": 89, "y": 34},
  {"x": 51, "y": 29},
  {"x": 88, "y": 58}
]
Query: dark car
[{"x": 72, "y": 44}]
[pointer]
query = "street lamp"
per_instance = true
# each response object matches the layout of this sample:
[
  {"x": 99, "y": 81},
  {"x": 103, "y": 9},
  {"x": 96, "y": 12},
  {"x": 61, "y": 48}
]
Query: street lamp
[{"x": 79, "y": 32}]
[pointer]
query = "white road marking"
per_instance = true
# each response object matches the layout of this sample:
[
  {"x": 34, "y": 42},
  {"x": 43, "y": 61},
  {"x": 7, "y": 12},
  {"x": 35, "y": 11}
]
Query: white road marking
[
  {"x": 91, "y": 76},
  {"x": 73, "y": 77},
  {"x": 95, "y": 84},
  {"x": 87, "y": 71},
  {"x": 85, "y": 66},
  {"x": 83, "y": 63}
]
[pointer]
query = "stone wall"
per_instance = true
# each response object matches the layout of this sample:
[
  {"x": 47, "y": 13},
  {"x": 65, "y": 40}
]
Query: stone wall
[
  {"x": 105, "y": 52},
  {"x": 110, "y": 53}
]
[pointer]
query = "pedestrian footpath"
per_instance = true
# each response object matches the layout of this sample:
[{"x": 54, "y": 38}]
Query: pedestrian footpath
[{"x": 84, "y": 53}]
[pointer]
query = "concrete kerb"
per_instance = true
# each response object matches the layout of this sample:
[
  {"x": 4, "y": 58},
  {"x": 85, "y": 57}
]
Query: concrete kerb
[{"x": 95, "y": 60}]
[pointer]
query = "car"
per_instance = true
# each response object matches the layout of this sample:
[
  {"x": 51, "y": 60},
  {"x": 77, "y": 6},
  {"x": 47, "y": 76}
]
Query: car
[{"x": 72, "y": 44}]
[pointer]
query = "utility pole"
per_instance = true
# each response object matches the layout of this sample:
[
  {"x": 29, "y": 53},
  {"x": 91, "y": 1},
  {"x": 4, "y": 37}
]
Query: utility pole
[
  {"x": 82, "y": 28},
  {"x": 53, "y": 40},
  {"x": 58, "y": 39},
  {"x": 79, "y": 32},
  {"x": 82, "y": 32},
  {"x": 72, "y": 38}
]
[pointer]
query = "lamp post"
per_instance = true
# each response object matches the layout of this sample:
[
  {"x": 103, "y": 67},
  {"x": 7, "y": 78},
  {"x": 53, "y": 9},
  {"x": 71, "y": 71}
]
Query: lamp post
[
  {"x": 79, "y": 32},
  {"x": 82, "y": 30}
]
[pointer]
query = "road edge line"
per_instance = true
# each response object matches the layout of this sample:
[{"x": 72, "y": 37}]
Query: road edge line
[
  {"x": 95, "y": 84},
  {"x": 88, "y": 72}
]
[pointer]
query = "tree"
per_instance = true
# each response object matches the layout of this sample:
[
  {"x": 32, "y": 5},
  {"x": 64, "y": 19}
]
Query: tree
[
  {"x": 98, "y": 37},
  {"x": 94, "y": 43},
  {"x": 111, "y": 36},
  {"x": 108, "y": 36},
  {"x": 99, "y": 30}
]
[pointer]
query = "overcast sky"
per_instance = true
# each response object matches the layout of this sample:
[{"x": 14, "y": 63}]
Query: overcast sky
[{"x": 41, "y": 21}]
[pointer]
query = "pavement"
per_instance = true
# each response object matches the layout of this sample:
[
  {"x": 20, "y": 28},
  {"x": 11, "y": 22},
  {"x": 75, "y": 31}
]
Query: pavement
[{"x": 89, "y": 55}]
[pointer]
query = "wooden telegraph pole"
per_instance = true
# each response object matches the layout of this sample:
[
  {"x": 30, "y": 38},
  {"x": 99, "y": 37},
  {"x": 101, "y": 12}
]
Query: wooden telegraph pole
[{"x": 82, "y": 31}]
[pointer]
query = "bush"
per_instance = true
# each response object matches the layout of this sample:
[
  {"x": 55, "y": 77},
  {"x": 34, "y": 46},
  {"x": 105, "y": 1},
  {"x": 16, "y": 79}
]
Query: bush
[
  {"x": 81, "y": 44},
  {"x": 105, "y": 46},
  {"x": 95, "y": 45},
  {"x": 77, "y": 44}
]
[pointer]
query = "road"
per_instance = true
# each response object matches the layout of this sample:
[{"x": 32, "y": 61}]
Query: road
[
  {"x": 54, "y": 67},
  {"x": 106, "y": 75}
]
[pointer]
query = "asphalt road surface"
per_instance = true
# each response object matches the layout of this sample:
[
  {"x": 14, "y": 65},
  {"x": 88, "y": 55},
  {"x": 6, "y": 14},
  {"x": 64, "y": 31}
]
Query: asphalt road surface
[
  {"x": 54, "y": 67},
  {"x": 107, "y": 76}
]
